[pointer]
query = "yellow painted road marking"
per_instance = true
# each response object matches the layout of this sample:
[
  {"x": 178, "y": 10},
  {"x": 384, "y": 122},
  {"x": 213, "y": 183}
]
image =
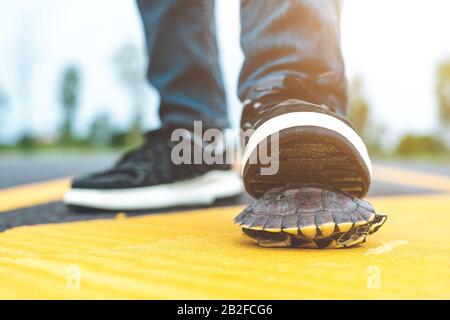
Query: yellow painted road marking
[
  {"x": 386, "y": 247},
  {"x": 32, "y": 194},
  {"x": 201, "y": 254},
  {"x": 411, "y": 178}
]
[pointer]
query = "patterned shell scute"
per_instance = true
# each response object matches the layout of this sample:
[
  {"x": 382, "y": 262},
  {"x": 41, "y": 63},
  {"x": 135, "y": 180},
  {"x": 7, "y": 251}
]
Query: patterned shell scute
[
  {"x": 282, "y": 208},
  {"x": 309, "y": 216},
  {"x": 309, "y": 199},
  {"x": 338, "y": 202}
]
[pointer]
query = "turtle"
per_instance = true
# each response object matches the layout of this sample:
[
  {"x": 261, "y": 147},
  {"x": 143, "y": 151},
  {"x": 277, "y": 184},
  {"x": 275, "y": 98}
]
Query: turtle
[{"x": 309, "y": 216}]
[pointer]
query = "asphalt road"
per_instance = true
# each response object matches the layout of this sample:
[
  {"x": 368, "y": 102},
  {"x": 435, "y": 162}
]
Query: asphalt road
[{"x": 22, "y": 169}]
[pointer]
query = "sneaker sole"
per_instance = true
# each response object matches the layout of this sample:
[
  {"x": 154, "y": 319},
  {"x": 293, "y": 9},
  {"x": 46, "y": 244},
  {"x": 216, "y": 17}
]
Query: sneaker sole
[
  {"x": 202, "y": 190},
  {"x": 313, "y": 148}
]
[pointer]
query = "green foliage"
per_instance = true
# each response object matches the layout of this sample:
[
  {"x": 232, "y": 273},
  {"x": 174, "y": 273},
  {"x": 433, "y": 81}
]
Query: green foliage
[
  {"x": 130, "y": 69},
  {"x": 28, "y": 142},
  {"x": 443, "y": 93},
  {"x": 358, "y": 111},
  {"x": 134, "y": 133},
  {"x": 69, "y": 96},
  {"x": 101, "y": 131},
  {"x": 118, "y": 138},
  {"x": 373, "y": 137},
  {"x": 413, "y": 145},
  {"x": 359, "y": 116}
]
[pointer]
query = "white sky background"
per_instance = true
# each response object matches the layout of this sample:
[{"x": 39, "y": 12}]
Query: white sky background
[{"x": 394, "y": 45}]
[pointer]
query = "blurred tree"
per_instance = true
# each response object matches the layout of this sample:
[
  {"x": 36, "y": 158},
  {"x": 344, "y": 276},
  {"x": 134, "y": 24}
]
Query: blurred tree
[
  {"x": 69, "y": 96},
  {"x": 358, "y": 112},
  {"x": 134, "y": 133},
  {"x": 118, "y": 138},
  {"x": 427, "y": 145},
  {"x": 443, "y": 93},
  {"x": 3, "y": 104},
  {"x": 27, "y": 141},
  {"x": 360, "y": 117},
  {"x": 101, "y": 131},
  {"x": 130, "y": 66}
]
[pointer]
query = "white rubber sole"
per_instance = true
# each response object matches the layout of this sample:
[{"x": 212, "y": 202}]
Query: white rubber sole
[
  {"x": 297, "y": 119},
  {"x": 202, "y": 190}
]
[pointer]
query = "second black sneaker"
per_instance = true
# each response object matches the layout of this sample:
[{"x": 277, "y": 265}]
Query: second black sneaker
[{"x": 148, "y": 178}]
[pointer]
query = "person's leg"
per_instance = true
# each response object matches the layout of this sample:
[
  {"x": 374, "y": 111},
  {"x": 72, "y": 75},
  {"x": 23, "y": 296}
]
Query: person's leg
[
  {"x": 184, "y": 68},
  {"x": 183, "y": 61},
  {"x": 293, "y": 83},
  {"x": 296, "y": 41}
]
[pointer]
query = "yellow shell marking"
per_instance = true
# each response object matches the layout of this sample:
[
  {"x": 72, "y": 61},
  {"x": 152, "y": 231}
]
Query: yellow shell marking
[
  {"x": 258, "y": 228},
  {"x": 360, "y": 223},
  {"x": 327, "y": 229},
  {"x": 272, "y": 229},
  {"x": 309, "y": 231},
  {"x": 344, "y": 227},
  {"x": 293, "y": 231}
]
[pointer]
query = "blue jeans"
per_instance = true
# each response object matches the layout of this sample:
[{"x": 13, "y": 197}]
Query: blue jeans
[{"x": 290, "y": 46}]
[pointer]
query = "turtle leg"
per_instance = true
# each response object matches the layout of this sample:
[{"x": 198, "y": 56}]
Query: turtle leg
[
  {"x": 355, "y": 242},
  {"x": 268, "y": 239},
  {"x": 275, "y": 243},
  {"x": 253, "y": 239},
  {"x": 355, "y": 236}
]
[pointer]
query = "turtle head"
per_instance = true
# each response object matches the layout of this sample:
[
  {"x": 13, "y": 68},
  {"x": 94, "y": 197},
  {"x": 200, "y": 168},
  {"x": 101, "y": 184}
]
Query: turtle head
[{"x": 377, "y": 222}]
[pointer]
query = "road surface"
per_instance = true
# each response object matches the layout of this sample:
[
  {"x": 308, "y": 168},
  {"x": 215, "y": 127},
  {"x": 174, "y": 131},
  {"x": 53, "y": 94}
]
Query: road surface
[{"x": 50, "y": 251}]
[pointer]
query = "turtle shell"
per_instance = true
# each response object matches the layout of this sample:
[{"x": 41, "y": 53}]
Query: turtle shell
[{"x": 311, "y": 216}]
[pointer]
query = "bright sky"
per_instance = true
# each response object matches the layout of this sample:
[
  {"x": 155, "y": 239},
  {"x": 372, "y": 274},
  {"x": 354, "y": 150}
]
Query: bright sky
[{"x": 393, "y": 45}]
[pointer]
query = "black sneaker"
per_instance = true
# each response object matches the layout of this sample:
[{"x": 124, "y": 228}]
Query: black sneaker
[
  {"x": 147, "y": 178},
  {"x": 316, "y": 145}
]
